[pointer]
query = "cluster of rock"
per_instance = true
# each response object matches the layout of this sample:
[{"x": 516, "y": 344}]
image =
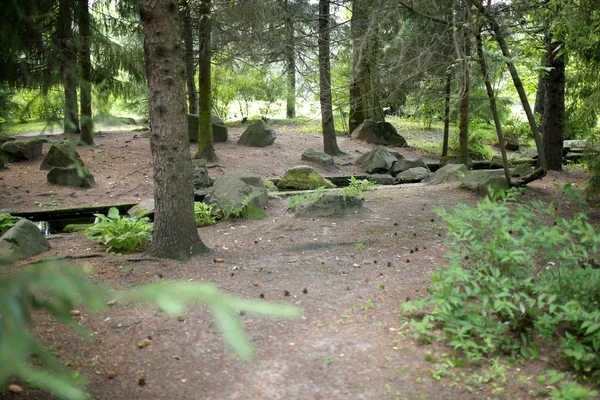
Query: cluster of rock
[
  {"x": 381, "y": 160},
  {"x": 66, "y": 168}
]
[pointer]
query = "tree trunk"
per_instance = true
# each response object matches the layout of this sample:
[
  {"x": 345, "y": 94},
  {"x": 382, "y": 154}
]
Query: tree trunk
[
  {"x": 329, "y": 139},
  {"x": 448, "y": 93},
  {"x": 490, "y": 93},
  {"x": 358, "y": 30},
  {"x": 190, "y": 69},
  {"x": 538, "y": 106},
  {"x": 517, "y": 83},
  {"x": 554, "y": 105},
  {"x": 175, "y": 234},
  {"x": 68, "y": 67},
  {"x": 206, "y": 149},
  {"x": 463, "y": 131},
  {"x": 85, "y": 64},
  {"x": 374, "y": 109},
  {"x": 290, "y": 58}
]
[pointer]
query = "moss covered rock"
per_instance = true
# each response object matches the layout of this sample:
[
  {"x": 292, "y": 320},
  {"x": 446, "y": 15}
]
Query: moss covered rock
[
  {"x": 23, "y": 149},
  {"x": 61, "y": 155},
  {"x": 303, "y": 177},
  {"x": 72, "y": 176}
]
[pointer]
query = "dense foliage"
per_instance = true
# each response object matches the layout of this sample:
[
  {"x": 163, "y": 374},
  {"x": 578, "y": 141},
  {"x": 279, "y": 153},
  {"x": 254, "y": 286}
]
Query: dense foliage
[
  {"x": 120, "y": 232},
  {"x": 517, "y": 273}
]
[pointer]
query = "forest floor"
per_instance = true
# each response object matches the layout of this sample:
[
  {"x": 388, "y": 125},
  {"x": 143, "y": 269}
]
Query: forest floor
[{"x": 349, "y": 275}]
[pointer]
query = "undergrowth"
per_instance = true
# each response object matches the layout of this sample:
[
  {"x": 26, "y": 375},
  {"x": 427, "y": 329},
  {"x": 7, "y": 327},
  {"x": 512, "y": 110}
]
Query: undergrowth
[
  {"x": 518, "y": 274},
  {"x": 120, "y": 232},
  {"x": 7, "y": 221}
]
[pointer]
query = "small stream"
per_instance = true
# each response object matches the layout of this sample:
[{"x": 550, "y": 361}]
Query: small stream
[{"x": 57, "y": 226}]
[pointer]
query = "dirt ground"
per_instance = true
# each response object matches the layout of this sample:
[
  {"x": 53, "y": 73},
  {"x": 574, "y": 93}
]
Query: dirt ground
[{"x": 350, "y": 275}]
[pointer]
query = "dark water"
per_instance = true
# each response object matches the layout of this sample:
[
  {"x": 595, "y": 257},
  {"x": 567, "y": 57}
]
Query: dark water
[{"x": 58, "y": 226}]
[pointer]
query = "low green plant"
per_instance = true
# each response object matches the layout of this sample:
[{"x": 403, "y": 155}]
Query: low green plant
[
  {"x": 245, "y": 210},
  {"x": 517, "y": 272},
  {"x": 294, "y": 202},
  {"x": 120, "y": 232},
  {"x": 358, "y": 186},
  {"x": 592, "y": 190},
  {"x": 203, "y": 213},
  {"x": 58, "y": 288},
  {"x": 7, "y": 221}
]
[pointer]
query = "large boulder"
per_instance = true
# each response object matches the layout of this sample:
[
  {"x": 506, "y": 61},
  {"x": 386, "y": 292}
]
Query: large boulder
[
  {"x": 23, "y": 149},
  {"x": 382, "y": 133},
  {"x": 303, "y": 177},
  {"x": 76, "y": 176},
  {"x": 258, "y": 134},
  {"x": 484, "y": 181},
  {"x": 230, "y": 190},
  {"x": 220, "y": 131},
  {"x": 143, "y": 209},
  {"x": 521, "y": 170},
  {"x": 448, "y": 173},
  {"x": 377, "y": 160},
  {"x": 496, "y": 162},
  {"x": 318, "y": 157},
  {"x": 5, "y": 138},
  {"x": 61, "y": 156},
  {"x": 330, "y": 204},
  {"x": 200, "y": 174},
  {"x": 411, "y": 175},
  {"x": 407, "y": 163},
  {"x": 22, "y": 241}
]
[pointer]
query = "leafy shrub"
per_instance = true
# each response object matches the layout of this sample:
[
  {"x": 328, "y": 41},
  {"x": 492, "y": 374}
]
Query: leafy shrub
[
  {"x": 358, "y": 186},
  {"x": 7, "y": 221},
  {"x": 592, "y": 191},
  {"x": 517, "y": 272},
  {"x": 478, "y": 149},
  {"x": 517, "y": 131},
  {"x": 294, "y": 202},
  {"x": 58, "y": 288},
  {"x": 119, "y": 232},
  {"x": 245, "y": 210},
  {"x": 203, "y": 214}
]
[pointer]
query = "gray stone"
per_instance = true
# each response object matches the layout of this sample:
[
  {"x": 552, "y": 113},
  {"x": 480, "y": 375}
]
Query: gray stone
[
  {"x": 407, "y": 163},
  {"x": 5, "y": 138},
  {"x": 511, "y": 146},
  {"x": 23, "y": 149},
  {"x": 416, "y": 174},
  {"x": 220, "y": 131},
  {"x": 330, "y": 204},
  {"x": 448, "y": 173},
  {"x": 22, "y": 241},
  {"x": 484, "y": 181},
  {"x": 318, "y": 157},
  {"x": 382, "y": 133},
  {"x": 303, "y": 177},
  {"x": 61, "y": 156},
  {"x": 449, "y": 160},
  {"x": 72, "y": 176},
  {"x": 143, "y": 209},
  {"x": 496, "y": 162},
  {"x": 377, "y": 160},
  {"x": 382, "y": 179},
  {"x": 200, "y": 174},
  {"x": 522, "y": 170},
  {"x": 231, "y": 189},
  {"x": 258, "y": 134}
]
